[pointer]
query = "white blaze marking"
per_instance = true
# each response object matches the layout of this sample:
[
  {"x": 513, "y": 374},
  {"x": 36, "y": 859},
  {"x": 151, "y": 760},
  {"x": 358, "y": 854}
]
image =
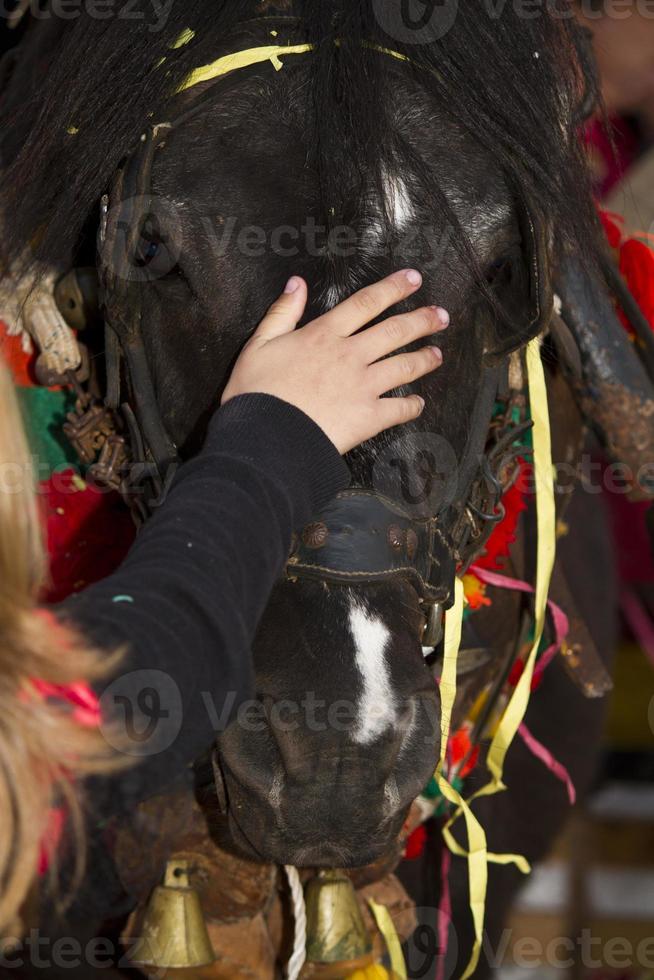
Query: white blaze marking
[
  {"x": 376, "y": 708},
  {"x": 398, "y": 208},
  {"x": 398, "y": 199}
]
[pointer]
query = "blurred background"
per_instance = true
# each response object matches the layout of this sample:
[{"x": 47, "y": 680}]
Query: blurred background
[{"x": 599, "y": 882}]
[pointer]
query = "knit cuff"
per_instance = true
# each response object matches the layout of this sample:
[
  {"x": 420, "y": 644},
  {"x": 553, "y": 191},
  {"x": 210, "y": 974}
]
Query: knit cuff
[{"x": 287, "y": 444}]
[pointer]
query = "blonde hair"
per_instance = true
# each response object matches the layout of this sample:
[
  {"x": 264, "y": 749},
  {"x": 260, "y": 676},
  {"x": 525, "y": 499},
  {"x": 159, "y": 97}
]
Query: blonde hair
[{"x": 43, "y": 750}]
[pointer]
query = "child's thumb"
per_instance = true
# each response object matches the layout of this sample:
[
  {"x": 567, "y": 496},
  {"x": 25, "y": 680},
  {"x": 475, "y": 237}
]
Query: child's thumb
[{"x": 285, "y": 313}]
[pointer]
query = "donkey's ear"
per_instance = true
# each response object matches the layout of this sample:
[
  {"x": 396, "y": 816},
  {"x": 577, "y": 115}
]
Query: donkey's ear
[
  {"x": 612, "y": 388},
  {"x": 521, "y": 286}
]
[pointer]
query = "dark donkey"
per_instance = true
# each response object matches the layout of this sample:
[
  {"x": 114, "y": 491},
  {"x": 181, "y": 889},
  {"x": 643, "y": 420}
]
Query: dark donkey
[{"x": 452, "y": 149}]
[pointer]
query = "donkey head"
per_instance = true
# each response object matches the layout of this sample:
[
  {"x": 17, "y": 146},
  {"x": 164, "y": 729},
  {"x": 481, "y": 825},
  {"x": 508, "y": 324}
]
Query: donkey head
[{"x": 346, "y": 727}]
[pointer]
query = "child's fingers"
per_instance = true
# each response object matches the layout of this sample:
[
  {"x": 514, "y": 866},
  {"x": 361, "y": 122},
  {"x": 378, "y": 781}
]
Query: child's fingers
[
  {"x": 405, "y": 368},
  {"x": 369, "y": 303},
  {"x": 285, "y": 313},
  {"x": 400, "y": 331},
  {"x": 396, "y": 411}
]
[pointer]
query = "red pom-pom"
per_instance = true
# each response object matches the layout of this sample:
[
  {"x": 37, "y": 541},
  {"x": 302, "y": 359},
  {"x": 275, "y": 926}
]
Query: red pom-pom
[{"x": 459, "y": 748}]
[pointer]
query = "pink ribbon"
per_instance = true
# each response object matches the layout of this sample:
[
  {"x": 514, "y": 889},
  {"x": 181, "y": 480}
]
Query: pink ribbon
[
  {"x": 559, "y": 618},
  {"x": 444, "y": 913},
  {"x": 548, "y": 760},
  {"x": 561, "y": 629}
]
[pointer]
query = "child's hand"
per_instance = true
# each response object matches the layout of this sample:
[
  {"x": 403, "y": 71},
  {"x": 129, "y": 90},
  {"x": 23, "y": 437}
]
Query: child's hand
[{"x": 334, "y": 374}]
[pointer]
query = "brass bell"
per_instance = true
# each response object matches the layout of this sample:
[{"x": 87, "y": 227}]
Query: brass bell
[
  {"x": 173, "y": 933},
  {"x": 335, "y": 928}
]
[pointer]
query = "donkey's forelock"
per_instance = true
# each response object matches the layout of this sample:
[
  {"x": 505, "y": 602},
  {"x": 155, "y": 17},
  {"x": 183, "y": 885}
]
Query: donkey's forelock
[{"x": 509, "y": 81}]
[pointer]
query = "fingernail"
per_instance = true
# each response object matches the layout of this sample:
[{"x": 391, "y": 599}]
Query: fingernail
[
  {"x": 442, "y": 315},
  {"x": 422, "y": 402},
  {"x": 413, "y": 276},
  {"x": 439, "y": 353},
  {"x": 292, "y": 285}
]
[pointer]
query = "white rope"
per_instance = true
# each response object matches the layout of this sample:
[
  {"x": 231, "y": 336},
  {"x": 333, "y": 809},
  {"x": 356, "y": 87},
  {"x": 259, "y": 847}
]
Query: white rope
[{"x": 299, "y": 954}]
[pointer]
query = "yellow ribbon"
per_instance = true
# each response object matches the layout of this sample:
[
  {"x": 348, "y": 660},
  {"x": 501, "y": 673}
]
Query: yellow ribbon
[
  {"x": 255, "y": 56},
  {"x": 387, "y": 928},
  {"x": 546, "y": 523},
  {"x": 477, "y": 854},
  {"x": 243, "y": 59}
]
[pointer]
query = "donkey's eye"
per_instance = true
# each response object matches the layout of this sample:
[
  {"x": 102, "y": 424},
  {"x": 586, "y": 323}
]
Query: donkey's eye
[
  {"x": 153, "y": 254},
  {"x": 147, "y": 249},
  {"x": 500, "y": 270}
]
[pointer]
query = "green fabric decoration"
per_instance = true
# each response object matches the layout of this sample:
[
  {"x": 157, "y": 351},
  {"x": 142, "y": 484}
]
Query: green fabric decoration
[{"x": 44, "y": 413}]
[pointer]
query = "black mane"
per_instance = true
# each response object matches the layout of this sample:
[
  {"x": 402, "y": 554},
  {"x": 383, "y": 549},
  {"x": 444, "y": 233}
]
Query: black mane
[{"x": 512, "y": 81}]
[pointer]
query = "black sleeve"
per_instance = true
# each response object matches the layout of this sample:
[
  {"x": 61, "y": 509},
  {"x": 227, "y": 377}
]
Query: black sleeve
[{"x": 185, "y": 604}]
